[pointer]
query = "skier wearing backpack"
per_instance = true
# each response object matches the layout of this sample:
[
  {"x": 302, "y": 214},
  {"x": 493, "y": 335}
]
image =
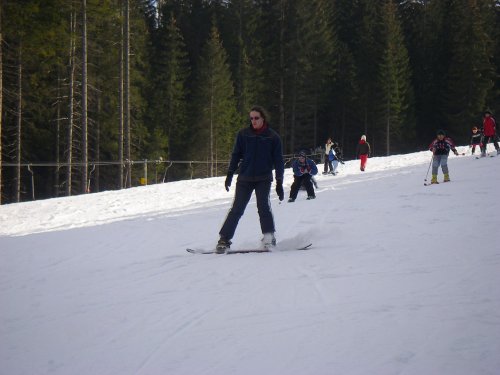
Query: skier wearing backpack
[{"x": 440, "y": 148}]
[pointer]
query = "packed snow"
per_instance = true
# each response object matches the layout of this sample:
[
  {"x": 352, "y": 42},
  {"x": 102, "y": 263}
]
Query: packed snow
[{"x": 402, "y": 278}]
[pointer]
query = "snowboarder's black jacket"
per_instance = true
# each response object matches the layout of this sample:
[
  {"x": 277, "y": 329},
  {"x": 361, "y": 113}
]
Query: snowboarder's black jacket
[{"x": 257, "y": 154}]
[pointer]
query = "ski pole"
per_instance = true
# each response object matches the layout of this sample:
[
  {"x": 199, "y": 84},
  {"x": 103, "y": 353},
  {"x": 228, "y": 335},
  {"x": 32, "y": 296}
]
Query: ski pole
[{"x": 428, "y": 169}]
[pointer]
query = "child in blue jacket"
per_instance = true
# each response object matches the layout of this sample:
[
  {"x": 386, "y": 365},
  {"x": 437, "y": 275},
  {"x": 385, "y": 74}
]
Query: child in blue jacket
[{"x": 303, "y": 170}]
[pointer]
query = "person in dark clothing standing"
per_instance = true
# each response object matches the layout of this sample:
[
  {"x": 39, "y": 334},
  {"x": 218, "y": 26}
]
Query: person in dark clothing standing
[
  {"x": 440, "y": 148},
  {"x": 256, "y": 152},
  {"x": 475, "y": 139},
  {"x": 363, "y": 152},
  {"x": 303, "y": 170}
]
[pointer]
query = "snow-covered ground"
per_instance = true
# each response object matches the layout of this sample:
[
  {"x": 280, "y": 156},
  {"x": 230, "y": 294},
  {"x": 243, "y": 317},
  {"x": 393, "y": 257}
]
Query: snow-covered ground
[{"x": 402, "y": 279}]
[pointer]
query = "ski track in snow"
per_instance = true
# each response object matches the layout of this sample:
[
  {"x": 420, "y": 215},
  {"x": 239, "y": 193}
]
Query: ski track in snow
[{"x": 401, "y": 279}]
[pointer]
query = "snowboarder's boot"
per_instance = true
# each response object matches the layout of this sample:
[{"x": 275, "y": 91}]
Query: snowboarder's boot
[
  {"x": 269, "y": 241},
  {"x": 291, "y": 200},
  {"x": 446, "y": 177},
  {"x": 222, "y": 246},
  {"x": 498, "y": 151},
  {"x": 483, "y": 154},
  {"x": 311, "y": 197},
  {"x": 434, "y": 179}
]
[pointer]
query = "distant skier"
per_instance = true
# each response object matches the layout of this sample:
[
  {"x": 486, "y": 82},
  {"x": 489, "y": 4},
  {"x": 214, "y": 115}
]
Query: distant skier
[
  {"x": 335, "y": 157},
  {"x": 440, "y": 148},
  {"x": 328, "y": 164},
  {"x": 363, "y": 152},
  {"x": 256, "y": 152},
  {"x": 489, "y": 133},
  {"x": 303, "y": 171},
  {"x": 475, "y": 139}
]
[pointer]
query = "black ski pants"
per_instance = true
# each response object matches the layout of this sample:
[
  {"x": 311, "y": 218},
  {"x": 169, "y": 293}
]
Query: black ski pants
[
  {"x": 297, "y": 183},
  {"x": 244, "y": 190},
  {"x": 488, "y": 139},
  {"x": 328, "y": 164}
]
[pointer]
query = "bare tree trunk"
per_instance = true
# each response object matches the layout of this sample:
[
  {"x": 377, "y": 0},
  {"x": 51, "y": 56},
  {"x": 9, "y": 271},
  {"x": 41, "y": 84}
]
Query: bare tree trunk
[
  {"x": 98, "y": 146},
  {"x": 58, "y": 137},
  {"x": 85, "y": 156},
  {"x": 19, "y": 121},
  {"x": 120, "y": 125},
  {"x": 71, "y": 113},
  {"x": 293, "y": 115},
  {"x": 282, "y": 72},
  {"x": 1, "y": 101},
  {"x": 212, "y": 136},
  {"x": 343, "y": 125},
  {"x": 388, "y": 130},
  {"x": 127, "y": 94}
]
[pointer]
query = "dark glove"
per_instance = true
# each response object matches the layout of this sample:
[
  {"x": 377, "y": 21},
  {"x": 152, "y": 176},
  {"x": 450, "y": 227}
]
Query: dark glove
[
  {"x": 229, "y": 178},
  {"x": 455, "y": 152},
  {"x": 279, "y": 189}
]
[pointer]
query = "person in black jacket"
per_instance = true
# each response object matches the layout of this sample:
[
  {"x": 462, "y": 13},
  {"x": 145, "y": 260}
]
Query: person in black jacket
[
  {"x": 440, "y": 148},
  {"x": 475, "y": 139},
  {"x": 256, "y": 152}
]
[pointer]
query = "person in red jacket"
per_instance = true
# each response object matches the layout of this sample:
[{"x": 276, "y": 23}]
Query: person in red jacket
[
  {"x": 489, "y": 133},
  {"x": 363, "y": 152}
]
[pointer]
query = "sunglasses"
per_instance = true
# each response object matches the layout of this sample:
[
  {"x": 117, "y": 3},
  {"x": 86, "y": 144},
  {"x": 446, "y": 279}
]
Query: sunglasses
[{"x": 254, "y": 118}]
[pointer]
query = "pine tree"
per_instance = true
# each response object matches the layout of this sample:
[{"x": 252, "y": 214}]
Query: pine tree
[
  {"x": 216, "y": 119},
  {"x": 169, "y": 75},
  {"x": 471, "y": 73},
  {"x": 395, "y": 81},
  {"x": 313, "y": 69},
  {"x": 246, "y": 54}
]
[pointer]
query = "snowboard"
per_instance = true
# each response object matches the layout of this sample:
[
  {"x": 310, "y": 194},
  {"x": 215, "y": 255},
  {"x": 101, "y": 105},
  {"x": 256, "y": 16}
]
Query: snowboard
[{"x": 246, "y": 251}]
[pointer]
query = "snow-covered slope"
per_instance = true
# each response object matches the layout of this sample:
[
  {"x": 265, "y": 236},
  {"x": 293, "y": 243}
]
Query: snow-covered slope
[{"x": 402, "y": 279}]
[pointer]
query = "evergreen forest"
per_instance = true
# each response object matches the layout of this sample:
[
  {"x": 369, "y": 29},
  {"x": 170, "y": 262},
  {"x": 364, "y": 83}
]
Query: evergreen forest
[{"x": 108, "y": 94}]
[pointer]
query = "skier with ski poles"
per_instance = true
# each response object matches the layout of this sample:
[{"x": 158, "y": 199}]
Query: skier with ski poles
[{"x": 440, "y": 148}]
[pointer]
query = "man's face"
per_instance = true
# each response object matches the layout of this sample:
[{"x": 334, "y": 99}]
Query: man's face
[
  {"x": 256, "y": 120},
  {"x": 440, "y": 136}
]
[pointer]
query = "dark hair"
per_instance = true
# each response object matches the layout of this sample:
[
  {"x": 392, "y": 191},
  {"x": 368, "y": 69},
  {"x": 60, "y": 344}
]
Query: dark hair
[{"x": 262, "y": 111}]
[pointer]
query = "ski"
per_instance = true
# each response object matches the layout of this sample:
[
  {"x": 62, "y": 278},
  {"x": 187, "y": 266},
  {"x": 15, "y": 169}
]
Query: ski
[
  {"x": 491, "y": 156},
  {"x": 246, "y": 251}
]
